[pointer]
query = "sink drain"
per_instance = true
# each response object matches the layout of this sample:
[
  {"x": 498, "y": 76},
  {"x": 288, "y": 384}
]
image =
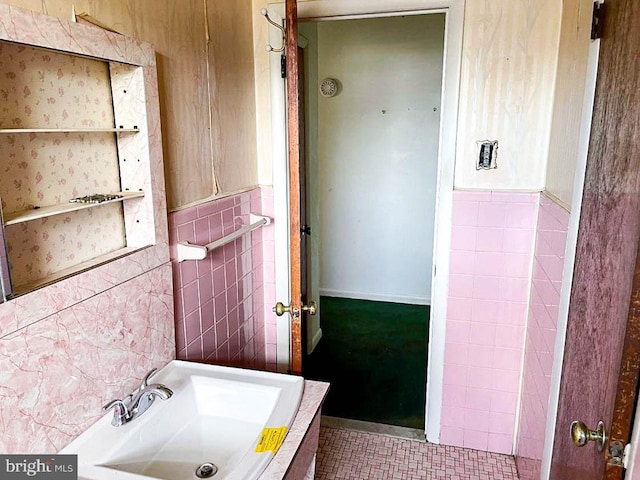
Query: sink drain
[{"x": 206, "y": 470}]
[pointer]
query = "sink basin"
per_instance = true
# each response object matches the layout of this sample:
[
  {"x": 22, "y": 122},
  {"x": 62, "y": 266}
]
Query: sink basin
[{"x": 216, "y": 415}]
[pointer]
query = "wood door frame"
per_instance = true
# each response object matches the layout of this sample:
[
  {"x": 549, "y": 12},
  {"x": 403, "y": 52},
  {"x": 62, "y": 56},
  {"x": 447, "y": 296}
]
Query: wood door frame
[{"x": 336, "y": 9}]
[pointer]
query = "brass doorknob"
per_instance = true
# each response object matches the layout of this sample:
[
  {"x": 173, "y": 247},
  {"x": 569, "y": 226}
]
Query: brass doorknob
[
  {"x": 280, "y": 308},
  {"x": 311, "y": 309},
  {"x": 581, "y": 435}
]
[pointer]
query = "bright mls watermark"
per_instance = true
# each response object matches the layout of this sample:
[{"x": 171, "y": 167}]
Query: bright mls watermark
[{"x": 40, "y": 467}]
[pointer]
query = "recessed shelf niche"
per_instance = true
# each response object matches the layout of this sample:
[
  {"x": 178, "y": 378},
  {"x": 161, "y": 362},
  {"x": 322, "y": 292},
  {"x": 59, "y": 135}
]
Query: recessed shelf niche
[{"x": 69, "y": 127}]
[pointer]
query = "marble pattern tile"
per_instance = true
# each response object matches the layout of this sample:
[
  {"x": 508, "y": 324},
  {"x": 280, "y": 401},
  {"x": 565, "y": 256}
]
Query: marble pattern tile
[
  {"x": 34, "y": 306},
  {"x": 308, "y": 413},
  {"x": 24, "y": 26},
  {"x": 57, "y": 373},
  {"x": 128, "y": 85},
  {"x": 305, "y": 456}
]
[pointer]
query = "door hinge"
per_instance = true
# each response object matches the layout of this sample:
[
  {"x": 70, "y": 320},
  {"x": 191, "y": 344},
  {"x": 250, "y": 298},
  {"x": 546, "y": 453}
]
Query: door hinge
[
  {"x": 597, "y": 20},
  {"x": 618, "y": 454},
  {"x": 305, "y": 230},
  {"x": 283, "y": 66}
]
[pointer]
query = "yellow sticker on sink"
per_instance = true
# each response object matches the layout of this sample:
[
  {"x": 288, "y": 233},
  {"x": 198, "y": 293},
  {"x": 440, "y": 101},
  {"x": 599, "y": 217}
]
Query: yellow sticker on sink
[{"x": 271, "y": 439}]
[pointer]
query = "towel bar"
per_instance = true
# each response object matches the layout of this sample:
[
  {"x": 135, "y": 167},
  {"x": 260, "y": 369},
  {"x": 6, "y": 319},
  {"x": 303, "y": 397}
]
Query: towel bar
[{"x": 189, "y": 251}]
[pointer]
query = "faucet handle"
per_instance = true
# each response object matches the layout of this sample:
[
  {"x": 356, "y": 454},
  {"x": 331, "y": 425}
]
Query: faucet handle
[
  {"x": 115, "y": 404},
  {"x": 120, "y": 412},
  {"x": 145, "y": 382}
]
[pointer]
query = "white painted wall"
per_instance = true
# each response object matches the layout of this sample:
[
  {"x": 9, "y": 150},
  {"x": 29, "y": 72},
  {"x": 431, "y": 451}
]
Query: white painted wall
[{"x": 377, "y": 154}]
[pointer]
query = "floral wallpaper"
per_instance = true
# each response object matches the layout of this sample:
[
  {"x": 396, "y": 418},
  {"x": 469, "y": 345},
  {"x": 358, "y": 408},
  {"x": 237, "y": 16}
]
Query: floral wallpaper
[
  {"x": 44, "y": 89},
  {"x": 46, "y": 246}
]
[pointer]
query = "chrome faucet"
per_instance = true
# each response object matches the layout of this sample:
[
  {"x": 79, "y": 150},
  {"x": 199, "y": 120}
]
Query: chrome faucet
[{"x": 136, "y": 403}]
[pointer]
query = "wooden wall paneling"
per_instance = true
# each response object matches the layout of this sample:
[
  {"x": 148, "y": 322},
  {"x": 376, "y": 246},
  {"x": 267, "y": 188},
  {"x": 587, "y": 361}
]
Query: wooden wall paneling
[
  {"x": 508, "y": 72},
  {"x": 232, "y": 93},
  {"x": 65, "y": 8},
  {"x": 177, "y": 31},
  {"x": 261, "y": 68},
  {"x": 508, "y": 68},
  {"x": 569, "y": 98},
  {"x": 115, "y": 14}
]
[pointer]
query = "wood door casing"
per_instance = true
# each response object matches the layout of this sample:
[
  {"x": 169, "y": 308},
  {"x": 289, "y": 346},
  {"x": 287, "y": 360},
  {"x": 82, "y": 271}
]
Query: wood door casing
[{"x": 606, "y": 253}]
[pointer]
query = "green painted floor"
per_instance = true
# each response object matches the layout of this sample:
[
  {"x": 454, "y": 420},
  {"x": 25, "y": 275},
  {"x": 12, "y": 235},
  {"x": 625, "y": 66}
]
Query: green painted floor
[{"x": 375, "y": 356}]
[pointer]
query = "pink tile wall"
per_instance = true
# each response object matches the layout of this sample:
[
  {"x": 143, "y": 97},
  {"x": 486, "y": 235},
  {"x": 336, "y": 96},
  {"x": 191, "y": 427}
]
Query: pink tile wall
[
  {"x": 220, "y": 301},
  {"x": 551, "y": 239},
  {"x": 491, "y": 254},
  {"x": 269, "y": 279}
]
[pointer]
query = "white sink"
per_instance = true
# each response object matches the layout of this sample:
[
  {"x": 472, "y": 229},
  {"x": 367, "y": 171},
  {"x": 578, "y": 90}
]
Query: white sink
[{"x": 216, "y": 415}]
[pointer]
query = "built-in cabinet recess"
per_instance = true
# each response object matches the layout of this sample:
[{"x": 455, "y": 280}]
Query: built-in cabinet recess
[{"x": 74, "y": 165}]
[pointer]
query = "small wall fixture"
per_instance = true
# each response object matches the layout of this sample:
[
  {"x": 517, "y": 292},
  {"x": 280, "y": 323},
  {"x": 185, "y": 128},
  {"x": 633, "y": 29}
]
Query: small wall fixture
[
  {"x": 329, "y": 87},
  {"x": 488, "y": 155},
  {"x": 269, "y": 47}
]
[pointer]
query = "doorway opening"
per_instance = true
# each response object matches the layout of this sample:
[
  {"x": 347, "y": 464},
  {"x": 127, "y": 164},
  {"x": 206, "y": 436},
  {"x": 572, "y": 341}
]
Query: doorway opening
[
  {"x": 288, "y": 340},
  {"x": 372, "y": 147}
]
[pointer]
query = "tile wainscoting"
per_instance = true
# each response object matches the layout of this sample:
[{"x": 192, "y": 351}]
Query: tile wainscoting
[
  {"x": 221, "y": 302},
  {"x": 501, "y": 322},
  {"x": 551, "y": 240},
  {"x": 491, "y": 256}
]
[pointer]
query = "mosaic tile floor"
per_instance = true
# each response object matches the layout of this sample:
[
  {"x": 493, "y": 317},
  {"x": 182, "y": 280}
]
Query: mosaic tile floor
[{"x": 352, "y": 455}]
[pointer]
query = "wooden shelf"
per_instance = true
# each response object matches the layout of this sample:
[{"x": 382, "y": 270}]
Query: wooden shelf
[
  {"x": 81, "y": 267},
  {"x": 14, "y": 218},
  {"x": 68, "y": 130}
]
